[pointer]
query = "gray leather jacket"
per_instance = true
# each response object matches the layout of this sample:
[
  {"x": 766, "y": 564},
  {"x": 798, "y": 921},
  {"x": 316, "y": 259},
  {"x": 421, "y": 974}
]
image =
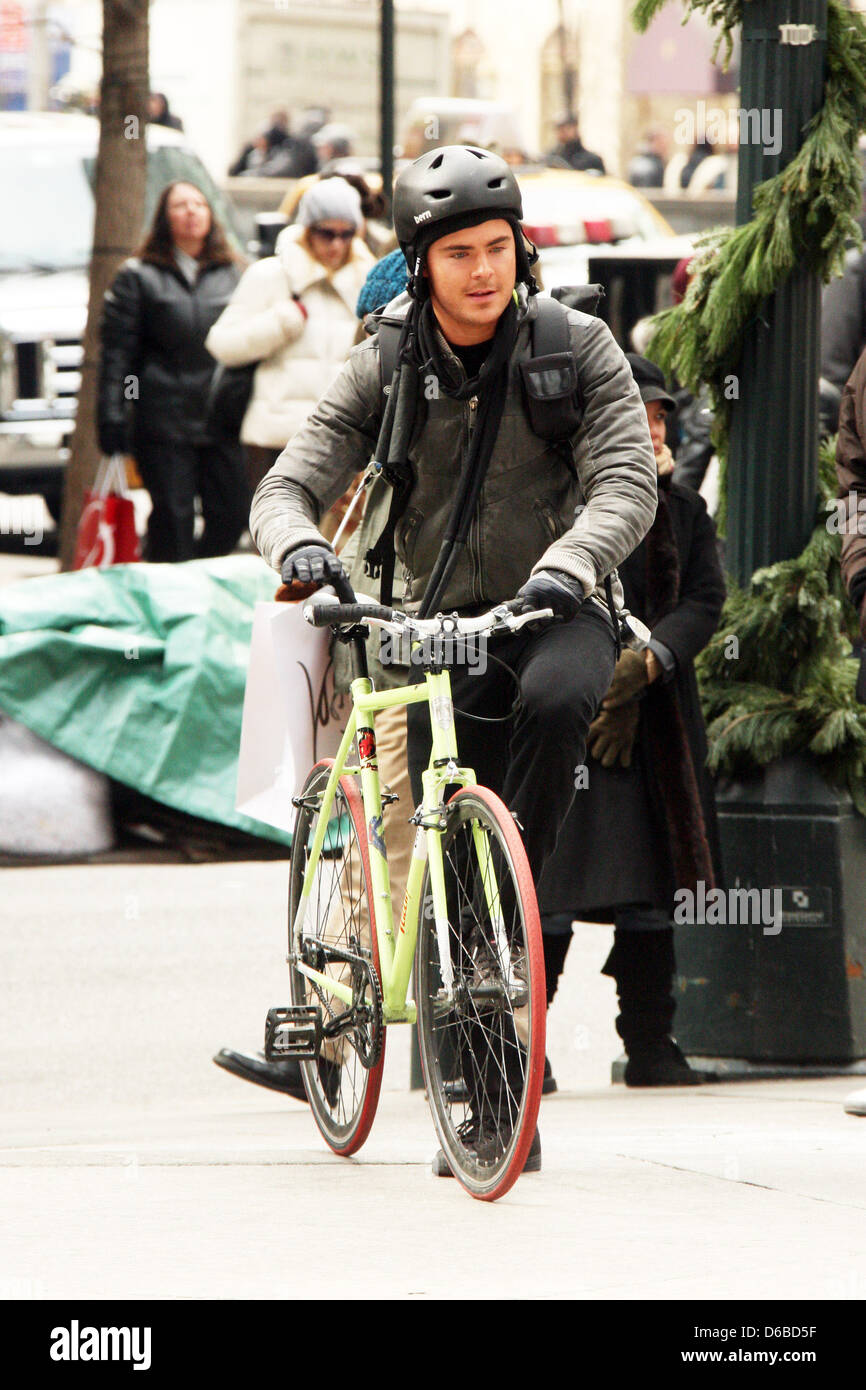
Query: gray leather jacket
[{"x": 531, "y": 514}]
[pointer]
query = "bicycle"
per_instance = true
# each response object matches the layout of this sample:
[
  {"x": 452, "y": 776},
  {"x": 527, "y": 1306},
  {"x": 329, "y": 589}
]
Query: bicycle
[{"x": 469, "y": 929}]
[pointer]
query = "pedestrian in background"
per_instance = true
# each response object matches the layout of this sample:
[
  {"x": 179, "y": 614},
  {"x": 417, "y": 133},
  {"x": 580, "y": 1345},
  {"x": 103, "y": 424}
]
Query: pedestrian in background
[
  {"x": 155, "y": 374},
  {"x": 570, "y": 151},
  {"x": 294, "y": 314},
  {"x": 377, "y": 231},
  {"x": 647, "y": 166},
  {"x": 159, "y": 113},
  {"x": 643, "y": 823}
]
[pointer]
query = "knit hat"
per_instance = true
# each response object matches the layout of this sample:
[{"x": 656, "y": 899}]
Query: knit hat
[
  {"x": 330, "y": 200},
  {"x": 385, "y": 281}
]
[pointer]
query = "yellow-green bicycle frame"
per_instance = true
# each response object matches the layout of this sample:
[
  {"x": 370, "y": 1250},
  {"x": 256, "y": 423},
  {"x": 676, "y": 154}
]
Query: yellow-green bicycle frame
[{"x": 397, "y": 944}]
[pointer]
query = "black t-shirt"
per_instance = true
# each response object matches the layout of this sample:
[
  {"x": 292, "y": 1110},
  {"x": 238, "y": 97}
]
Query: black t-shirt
[{"x": 472, "y": 356}]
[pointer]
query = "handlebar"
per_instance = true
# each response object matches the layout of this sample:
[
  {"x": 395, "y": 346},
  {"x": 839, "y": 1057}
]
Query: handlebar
[
  {"x": 329, "y": 612},
  {"x": 341, "y": 614}
]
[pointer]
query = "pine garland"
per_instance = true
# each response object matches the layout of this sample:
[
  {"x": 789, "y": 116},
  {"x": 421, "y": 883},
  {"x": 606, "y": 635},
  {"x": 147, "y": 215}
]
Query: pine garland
[
  {"x": 777, "y": 677},
  {"x": 804, "y": 217}
]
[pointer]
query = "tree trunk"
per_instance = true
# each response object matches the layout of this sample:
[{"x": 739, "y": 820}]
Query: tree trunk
[{"x": 121, "y": 169}]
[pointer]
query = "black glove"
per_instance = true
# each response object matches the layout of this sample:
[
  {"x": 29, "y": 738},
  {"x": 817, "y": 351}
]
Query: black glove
[
  {"x": 316, "y": 564},
  {"x": 553, "y": 589}
]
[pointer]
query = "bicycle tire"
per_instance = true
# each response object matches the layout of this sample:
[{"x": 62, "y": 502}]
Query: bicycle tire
[
  {"x": 494, "y": 1023},
  {"x": 343, "y": 1085}
]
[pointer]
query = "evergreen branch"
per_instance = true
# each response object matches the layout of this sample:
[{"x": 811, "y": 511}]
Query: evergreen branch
[
  {"x": 777, "y": 678},
  {"x": 804, "y": 218}
]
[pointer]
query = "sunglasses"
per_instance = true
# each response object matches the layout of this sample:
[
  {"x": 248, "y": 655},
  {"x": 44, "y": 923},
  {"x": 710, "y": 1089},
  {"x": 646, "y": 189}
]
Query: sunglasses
[{"x": 328, "y": 234}]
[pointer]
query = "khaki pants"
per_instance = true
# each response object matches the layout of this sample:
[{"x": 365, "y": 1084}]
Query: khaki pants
[{"x": 399, "y": 837}]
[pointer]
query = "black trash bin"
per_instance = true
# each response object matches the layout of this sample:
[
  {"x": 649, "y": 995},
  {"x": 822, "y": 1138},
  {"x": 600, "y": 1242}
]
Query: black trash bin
[{"x": 792, "y": 998}]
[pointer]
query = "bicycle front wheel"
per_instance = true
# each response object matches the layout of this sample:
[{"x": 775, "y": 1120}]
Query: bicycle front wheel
[
  {"x": 337, "y": 937},
  {"x": 480, "y": 996}
]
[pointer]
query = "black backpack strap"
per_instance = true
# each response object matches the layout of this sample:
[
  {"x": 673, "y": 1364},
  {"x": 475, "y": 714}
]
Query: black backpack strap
[
  {"x": 585, "y": 298},
  {"x": 389, "y": 331},
  {"x": 549, "y": 328},
  {"x": 380, "y": 559}
]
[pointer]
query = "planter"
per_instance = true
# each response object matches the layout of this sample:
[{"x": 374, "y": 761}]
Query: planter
[{"x": 796, "y": 995}]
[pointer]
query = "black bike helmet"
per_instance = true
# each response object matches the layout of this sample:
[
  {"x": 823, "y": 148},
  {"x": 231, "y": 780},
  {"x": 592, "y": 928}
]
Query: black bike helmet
[{"x": 450, "y": 188}]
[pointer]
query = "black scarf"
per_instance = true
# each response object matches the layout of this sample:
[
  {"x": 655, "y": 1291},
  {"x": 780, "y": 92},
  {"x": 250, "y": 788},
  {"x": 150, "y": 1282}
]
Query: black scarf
[{"x": 423, "y": 353}]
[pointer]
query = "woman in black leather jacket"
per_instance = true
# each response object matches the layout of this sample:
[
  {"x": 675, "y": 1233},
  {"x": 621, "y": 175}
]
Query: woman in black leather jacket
[{"x": 155, "y": 374}]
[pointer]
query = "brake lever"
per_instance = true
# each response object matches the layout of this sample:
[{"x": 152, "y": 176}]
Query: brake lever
[{"x": 515, "y": 621}]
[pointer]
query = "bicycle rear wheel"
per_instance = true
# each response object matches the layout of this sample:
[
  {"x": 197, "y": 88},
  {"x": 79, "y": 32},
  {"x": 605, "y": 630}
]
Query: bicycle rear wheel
[
  {"x": 488, "y": 1028},
  {"x": 343, "y": 1084}
]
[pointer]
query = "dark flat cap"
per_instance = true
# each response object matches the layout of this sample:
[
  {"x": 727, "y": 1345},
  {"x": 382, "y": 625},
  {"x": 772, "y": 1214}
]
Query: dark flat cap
[{"x": 650, "y": 381}]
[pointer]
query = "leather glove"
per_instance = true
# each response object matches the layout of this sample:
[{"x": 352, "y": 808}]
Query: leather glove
[
  {"x": 612, "y": 734},
  {"x": 630, "y": 677},
  {"x": 553, "y": 589}
]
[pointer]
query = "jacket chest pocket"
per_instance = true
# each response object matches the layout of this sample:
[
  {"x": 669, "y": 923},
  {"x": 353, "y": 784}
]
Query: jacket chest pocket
[
  {"x": 550, "y": 522},
  {"x": 407, "y": 536}
]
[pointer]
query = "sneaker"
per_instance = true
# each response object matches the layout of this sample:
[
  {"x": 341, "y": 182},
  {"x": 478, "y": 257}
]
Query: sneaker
[
  {"x": 487, "y": 1148},
  {"x": 660, "y": 1064}
]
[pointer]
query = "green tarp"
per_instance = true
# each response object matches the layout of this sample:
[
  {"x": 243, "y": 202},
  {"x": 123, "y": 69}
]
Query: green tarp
[{"x": 139, "y": 671}]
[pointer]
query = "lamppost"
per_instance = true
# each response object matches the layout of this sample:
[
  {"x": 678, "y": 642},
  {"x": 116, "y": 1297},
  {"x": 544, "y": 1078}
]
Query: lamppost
[
  {"x": 772, "y": 465},
  {"x": 386, "y": 99}
]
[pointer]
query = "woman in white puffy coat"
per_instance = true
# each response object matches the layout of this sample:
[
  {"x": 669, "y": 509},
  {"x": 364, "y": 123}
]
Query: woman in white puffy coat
[{"x": 294, "y": 314}]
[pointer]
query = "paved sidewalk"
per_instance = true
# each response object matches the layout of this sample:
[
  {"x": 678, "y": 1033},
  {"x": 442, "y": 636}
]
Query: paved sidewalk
[
  {"x": 750, "y": 1191},
  {"x": 131, "y": 1167}
]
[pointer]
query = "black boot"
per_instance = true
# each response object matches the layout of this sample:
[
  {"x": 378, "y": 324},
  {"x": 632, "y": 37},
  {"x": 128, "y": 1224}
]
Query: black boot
[
  {"x": 556, "y": 946},
  {"x": 642, "y": 964}
]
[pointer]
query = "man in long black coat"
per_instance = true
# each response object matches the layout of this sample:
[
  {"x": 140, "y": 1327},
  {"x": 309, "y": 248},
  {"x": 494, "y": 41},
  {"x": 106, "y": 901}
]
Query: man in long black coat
[{"x": 643, "y": 820}]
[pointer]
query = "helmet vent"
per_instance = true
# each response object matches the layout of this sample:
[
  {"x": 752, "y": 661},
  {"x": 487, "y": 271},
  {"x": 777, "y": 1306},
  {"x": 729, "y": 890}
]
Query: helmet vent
[
  {"x": 439, "y": 193},
  {"x": 496, "y": 183},
  {"x": 437, "y": 162}
]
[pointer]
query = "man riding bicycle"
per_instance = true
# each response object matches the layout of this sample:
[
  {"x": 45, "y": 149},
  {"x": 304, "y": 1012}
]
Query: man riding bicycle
[{"x": 466, "y": 444}]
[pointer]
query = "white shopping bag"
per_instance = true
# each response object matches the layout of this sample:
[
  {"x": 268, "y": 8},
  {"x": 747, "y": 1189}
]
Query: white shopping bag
[{"x": 292, "y": 716}]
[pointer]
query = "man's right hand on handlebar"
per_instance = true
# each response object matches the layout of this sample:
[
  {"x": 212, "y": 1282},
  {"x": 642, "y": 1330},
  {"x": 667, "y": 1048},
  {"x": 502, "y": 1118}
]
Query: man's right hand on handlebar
[{"x": 315, "y": 564}]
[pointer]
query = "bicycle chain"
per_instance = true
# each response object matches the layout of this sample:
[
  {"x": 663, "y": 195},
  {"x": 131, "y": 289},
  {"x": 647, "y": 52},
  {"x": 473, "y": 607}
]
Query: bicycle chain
[{"x": 367, "y": 1039}]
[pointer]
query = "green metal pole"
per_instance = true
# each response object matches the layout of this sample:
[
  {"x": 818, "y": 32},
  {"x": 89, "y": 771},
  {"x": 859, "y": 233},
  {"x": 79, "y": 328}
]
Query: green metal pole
[
  {"x": 386, "y": 100},
  {"x": 772, "y": 466}
]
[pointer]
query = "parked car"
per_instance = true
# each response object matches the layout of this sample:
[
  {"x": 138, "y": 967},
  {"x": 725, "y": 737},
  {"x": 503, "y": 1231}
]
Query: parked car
[
  {"x": 594, "y": 229},
  {"x": 47, "y": 167}
]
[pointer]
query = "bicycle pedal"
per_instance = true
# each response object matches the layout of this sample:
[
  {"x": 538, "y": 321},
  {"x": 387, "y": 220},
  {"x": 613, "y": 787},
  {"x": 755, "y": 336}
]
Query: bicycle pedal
[{"x": 293, "y": 1032}]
